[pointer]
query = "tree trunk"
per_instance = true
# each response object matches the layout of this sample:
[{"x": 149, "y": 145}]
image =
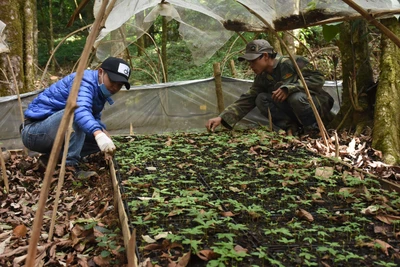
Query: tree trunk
[
  {"x": 141, "y": 41},
  {"x": 355, "y": 113},
  {"x": 30, "y": 44},
  {"x": 289, "y": 41},
  {"x": 13, "y": 31},
  {"x": 20, "y": 19},
  {"x": 164, "y": 41},
  {"x": 387, "y": 118},
  {"x": 50, "y": 42}
]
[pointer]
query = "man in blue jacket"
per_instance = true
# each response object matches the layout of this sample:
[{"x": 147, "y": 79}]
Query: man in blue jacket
[{"x": 44, "y": 113}]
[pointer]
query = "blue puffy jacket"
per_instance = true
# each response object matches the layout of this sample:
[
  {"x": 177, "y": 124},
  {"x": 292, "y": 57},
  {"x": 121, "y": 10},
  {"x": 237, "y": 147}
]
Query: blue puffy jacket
[{"x": 90, "y": 101}]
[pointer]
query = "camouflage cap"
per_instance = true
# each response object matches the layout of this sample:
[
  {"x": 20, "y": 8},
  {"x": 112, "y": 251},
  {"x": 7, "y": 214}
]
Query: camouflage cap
[{"x": 255, "y": 48}]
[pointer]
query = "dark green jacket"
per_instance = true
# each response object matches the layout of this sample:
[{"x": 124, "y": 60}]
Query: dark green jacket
[{"x": 284, "y": 75}]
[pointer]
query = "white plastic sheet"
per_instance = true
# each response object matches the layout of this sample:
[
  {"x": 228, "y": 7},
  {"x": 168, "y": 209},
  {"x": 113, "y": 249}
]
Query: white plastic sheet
[
  {"x": 202, "y": 21},
  {"x": 3, "y": 45}
]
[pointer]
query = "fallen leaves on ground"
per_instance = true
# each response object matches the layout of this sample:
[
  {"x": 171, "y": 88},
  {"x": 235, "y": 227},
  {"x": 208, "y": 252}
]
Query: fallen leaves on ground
[{"x": 84, "y": 231}]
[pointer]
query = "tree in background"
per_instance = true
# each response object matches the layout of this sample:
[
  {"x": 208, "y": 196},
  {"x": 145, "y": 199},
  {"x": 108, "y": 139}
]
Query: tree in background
[
  {"x": 355, "y": 112},
  {"x": 387, "y": 117},
  {"x": 20, "y": 32}
]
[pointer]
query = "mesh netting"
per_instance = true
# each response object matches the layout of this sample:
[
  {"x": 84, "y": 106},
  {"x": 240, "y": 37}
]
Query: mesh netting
[{"x": 157, "y": 108}]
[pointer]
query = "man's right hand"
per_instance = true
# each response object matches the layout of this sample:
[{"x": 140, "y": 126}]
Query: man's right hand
[
  {"x": 105, "y": 143},
  {"x": 213, "y": 123}
]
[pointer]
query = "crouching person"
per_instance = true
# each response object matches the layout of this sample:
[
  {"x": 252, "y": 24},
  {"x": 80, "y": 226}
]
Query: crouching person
[
  {"x": 278, "y": 90},
  {"x": 43, "y": 115}
]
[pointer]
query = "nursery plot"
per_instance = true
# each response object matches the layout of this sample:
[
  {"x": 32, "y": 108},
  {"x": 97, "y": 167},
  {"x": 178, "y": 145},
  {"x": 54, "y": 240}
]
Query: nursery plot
[{"x": 246, "y": 199}]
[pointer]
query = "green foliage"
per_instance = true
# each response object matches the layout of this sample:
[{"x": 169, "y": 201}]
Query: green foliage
[
  {"x": 330, "y": 31},
  {"x": 181, "y": 66},
  {"x": 66, "y": 55}
]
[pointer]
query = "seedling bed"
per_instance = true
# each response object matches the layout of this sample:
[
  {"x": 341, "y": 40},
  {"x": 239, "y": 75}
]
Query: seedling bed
[{"x": 251, "y": 198}]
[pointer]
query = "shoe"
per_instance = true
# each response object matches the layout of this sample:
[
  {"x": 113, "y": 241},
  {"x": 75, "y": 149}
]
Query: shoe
[
  {"x": 42, "y": 162},
  {"x": 312, "y": 131},
  {"x": 81, "y": 174}
]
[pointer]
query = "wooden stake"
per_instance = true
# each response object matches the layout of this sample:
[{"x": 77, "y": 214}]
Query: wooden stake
[
  {"x": 131, "y": 251},
  {"x": 271, "y": 127},
  {"x": 4, "y": 171},
  {"x": 232, "y": 68},
  {"x": 218, "y": 86},
  {"x": 68, "y": 113}
]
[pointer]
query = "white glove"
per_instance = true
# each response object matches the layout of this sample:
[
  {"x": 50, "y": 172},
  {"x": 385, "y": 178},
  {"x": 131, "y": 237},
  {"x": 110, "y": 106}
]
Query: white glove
[{"x": 105, "y": 143}]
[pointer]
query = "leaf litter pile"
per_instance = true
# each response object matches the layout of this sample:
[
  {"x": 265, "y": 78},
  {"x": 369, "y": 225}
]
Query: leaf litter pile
[
  {"x": 86, "y": 231},
  {"x": 249, "y": 198}
]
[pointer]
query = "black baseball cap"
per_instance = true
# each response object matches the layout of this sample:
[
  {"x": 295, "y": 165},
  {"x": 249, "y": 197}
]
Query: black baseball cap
[
  {"x": 118, "y": 70},
  {"x": 256, "y": 48}
]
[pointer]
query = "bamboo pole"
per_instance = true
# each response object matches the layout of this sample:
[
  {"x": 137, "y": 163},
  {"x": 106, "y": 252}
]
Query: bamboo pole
[
  {"x": 69, "y": 109},
  {"x": 232, "y": 68},
  {"x": 314, "y": 109},
  {"x": 372, "y": 20},
  {"x": 4, "y": 171},
  {"x": 60, "y": 180},
  {"x": 132, "y": 248},
  {"x": 129, "y": 240},
  {"x": 218, "y": 86}
]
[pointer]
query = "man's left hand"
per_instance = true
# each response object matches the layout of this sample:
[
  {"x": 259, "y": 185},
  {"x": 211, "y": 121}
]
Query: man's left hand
[{"x": 280, "y": 94}]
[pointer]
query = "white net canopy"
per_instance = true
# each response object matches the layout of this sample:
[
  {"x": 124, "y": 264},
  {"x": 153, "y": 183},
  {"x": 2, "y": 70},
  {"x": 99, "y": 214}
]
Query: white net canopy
[{"x": 205, "y": 25}]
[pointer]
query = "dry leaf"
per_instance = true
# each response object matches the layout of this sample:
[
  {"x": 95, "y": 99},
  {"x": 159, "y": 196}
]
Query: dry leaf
[
  {"x": 239, "y": 248},
  {"x": 184, "y": 261},
  {"x": 227, "y": 214},
  {"x": 303, "y": 214},
  {"x": 169, "y": 142},
  {"x": 384, "y": 246},
  {"x": 387, "y": 218},
  {"x": 148, "y": 239},
  {"x": 20, "y": 231},
  {"x": 234, "y": 189},
  {"x": 4, "y": 244},
  {"x": 162, "y": 235},
  {"x": 324, "y": 172},
  {"x": 207, "y": 255},
  {"x": 370, "y": 210}
]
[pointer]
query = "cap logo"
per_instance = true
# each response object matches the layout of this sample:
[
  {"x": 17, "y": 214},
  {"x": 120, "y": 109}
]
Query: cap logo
[
  {"x": 254, "y": 48},
  {"x": 123, "y": 69}
]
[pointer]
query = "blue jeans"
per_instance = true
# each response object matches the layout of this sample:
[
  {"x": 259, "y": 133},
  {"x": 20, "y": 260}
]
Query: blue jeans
[
  {"x": 294, "y": 112},
  {"x": 39, "y": 136}
]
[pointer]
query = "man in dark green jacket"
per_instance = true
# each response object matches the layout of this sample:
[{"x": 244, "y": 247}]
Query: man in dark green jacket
[{"x": 277, "y": 87}]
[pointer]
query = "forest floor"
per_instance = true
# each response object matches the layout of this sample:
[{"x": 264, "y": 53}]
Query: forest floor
[{"x": 87, "y": 229}]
